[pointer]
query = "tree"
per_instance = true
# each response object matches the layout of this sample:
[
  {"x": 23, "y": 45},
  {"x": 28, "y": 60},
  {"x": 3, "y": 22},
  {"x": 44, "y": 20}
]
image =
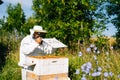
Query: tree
[
  {"x": 2, "y": 22},
  {"x": 15, "y": 19},
  {"x": 114, "y": 11},
  {"x": 67, "y": 20},
  {"x": 1, "y": 2},
  {"x": 30, "y": 22}
]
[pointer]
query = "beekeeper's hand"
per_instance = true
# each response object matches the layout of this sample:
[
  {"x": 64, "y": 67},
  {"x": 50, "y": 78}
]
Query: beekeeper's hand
[{"x": 38, "y": 39}]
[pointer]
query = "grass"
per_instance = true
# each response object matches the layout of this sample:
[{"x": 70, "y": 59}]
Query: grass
[
  {"x": 11, "y": 71},
  {"x": 109, "y": 63}
]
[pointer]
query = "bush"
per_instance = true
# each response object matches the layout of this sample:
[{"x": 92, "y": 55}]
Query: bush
[{"x": 11, "y": 70}]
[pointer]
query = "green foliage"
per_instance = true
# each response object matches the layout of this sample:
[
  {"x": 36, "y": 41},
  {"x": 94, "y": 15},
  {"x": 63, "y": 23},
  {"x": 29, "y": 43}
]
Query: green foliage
[
  {"x": 68, "y": 21},
  {"x": 9, "y": 44},
  {"x": 2, "y": 22},
  {"x": 30, "y": 22},
  {"x": 10, "y": 40},
  {"x": 11, "y": 71},
  {"x": 102, "y": 43},
  {"x": 15, "y": 19}
]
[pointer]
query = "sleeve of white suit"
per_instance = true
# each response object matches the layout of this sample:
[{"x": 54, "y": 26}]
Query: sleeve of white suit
[{"x": 28, "y": 46}]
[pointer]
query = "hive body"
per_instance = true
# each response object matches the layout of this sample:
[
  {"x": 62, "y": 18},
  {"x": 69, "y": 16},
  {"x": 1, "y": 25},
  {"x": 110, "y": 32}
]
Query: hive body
[{"x": 46, "y": 68}]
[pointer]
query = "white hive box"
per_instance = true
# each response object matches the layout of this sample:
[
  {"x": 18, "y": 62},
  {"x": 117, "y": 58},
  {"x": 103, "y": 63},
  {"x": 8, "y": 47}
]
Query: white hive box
[
  {"x": 48, "y": 65},
  {"x": 47, "y": 68}
]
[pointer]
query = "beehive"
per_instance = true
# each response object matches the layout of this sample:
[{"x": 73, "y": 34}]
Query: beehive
[
  {"x": 33, "y": 76},
  {"x": 47, "y": 68}
]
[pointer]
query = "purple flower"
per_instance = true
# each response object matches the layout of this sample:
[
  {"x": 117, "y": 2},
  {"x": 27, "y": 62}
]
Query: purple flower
[
  {"x": 96, "y": 74},
  {"x": 89, "y": 65},
  {"x": 77, "y": 71},
  {"x": 111, "y": 74},
  {"x": 86, "y": 67},
  {"x": 99, "y": 69},
  {"x": 119, "y": 76},
  {"x": 83, "y": 78},
  {"x": 95, "y": 48},
  {"x": 80, "y": 53},
  {"x": 88, "y": 49},
  {"x": 106, "y": 74}
]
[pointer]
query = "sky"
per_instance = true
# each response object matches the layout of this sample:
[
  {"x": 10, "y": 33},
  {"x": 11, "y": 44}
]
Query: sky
[{"x": 27, "y": 8}]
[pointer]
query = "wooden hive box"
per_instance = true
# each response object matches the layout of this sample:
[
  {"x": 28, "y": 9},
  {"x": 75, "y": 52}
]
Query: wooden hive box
[{"x": 33, "y": 76}]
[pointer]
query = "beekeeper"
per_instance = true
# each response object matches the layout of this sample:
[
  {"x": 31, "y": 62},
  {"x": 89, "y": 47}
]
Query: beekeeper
[{"x": 32, "y": 45}]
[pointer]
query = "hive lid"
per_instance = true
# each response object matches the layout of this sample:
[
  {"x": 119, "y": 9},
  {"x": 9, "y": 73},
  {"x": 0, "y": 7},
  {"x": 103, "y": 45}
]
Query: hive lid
[{"x": 54, "y": 43}]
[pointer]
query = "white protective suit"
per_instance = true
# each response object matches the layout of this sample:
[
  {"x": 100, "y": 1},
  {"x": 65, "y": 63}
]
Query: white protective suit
[{"x": 29, "y": 47}]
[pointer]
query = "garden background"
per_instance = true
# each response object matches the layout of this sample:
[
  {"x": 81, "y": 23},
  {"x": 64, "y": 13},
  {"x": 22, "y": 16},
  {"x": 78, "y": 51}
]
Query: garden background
[{"x": 78, "y": 24}]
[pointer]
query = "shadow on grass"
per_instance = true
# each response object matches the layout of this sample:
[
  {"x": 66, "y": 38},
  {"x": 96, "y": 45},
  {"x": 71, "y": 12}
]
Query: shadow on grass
[{"x": 3, "y": 54}]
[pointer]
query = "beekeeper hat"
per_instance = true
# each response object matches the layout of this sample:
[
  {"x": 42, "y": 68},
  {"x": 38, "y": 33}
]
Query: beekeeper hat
[{"x": 37, "y": 28}]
